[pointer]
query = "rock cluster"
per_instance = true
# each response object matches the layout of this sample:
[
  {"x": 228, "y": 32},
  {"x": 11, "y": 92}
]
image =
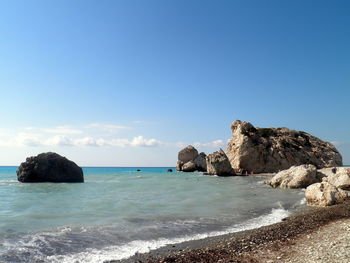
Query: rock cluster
[
  {"x": 49, "y": 167},
  {"x": 219, "y": 164},
  {"x": 268, "y": 150},
  {"x": 189, "y": 160}
]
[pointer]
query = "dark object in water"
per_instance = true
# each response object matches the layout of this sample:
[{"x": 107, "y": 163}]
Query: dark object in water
[
  {"x": 138, "y": 170},
  {"x": 170, "y": 170},
  {"x": 49, "y": 167}
]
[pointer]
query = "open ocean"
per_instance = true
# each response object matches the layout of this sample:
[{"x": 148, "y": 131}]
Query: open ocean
[{"x": 119, "y": 211}]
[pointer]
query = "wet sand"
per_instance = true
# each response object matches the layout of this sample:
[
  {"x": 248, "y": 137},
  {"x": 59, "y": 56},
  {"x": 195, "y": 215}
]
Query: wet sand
[{"x": 299, "y": 238}]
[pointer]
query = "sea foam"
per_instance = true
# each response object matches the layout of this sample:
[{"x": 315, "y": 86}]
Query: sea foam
[{"x": 144, "y": 246}]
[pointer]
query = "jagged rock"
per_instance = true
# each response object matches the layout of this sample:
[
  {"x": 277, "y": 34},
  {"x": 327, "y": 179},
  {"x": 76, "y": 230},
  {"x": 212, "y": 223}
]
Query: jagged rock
[
  {"x": 268, "y": 150},
  {"x": 189, "y": 167},
  {"x": 200, "y": 162},
  {"x": 189, "y": 160},
  {"x": 324, "y": 194},
  {"x": 219, "y": 164},
  {"x": 295, "y": 177},
  {"x": 187, "y": 154},
  {"x": 339, "y": 177},
  {"x": 49, "y": 167}
]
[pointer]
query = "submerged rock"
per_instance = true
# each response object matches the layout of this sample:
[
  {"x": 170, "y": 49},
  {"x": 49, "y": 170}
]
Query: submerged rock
[
  {"x": 189, "y": 160},
  {"x": 295, "y": 177},
  {"x": 324, "y": 194},
  {"x": 49, "y": 167},
  {"x": 268, "y": 150},
  {"x": 219, "y": 164}
]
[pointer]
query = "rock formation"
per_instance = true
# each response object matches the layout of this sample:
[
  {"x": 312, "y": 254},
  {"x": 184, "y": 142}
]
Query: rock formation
[
  {"x": 295, "y": 177},
  {"x": 189, "y": 160},
  {"x": 324, "y": 194},
  {"x": 339, "y": 177},
  {"x": 219, "y": 164},
  {"x": 269, "y": 150},
  {"x": 49, "y": 167}
]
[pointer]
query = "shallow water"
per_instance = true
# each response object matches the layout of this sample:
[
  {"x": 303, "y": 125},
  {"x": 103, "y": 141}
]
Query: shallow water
[{"x": 119, "y": 211}]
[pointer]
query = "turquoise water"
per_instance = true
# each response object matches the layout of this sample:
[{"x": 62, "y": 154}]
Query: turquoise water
[{"x": 119, "y": 211}]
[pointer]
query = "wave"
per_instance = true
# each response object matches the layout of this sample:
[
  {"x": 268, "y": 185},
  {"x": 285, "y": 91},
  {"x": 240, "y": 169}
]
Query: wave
[{"x": 127, "y": 250}]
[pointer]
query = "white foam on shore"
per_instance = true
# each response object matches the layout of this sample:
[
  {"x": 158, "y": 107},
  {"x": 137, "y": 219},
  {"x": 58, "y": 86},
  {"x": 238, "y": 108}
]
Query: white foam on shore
[{"x": 144, "y": 246}]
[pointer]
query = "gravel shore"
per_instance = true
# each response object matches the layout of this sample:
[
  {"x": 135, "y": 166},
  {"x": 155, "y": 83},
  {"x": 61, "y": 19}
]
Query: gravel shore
[{"x": 313, "y": 235}]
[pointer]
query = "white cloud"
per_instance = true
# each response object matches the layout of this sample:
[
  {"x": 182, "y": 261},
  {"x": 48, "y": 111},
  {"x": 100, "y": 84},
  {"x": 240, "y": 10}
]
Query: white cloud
[
  {"x": 59, "y": 140},
  {"x": 216, "y": 143},
  {"x": 27, "y": 139},
  {"x": 62, "y": 130},
  {"x": 111, "y": 128},
  {"x": 143, "y": 142}
]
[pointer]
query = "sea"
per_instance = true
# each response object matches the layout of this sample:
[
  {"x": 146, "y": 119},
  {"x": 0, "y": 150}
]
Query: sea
[{"x": 118, "y": 212}]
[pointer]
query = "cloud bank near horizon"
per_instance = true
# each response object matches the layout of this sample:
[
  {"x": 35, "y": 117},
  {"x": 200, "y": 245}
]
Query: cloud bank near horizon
[{"x": 90, "y": 135}]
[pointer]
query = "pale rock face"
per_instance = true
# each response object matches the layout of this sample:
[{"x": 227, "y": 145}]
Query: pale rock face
[
  {"x": 179, "y": 165},
  {"x": 269, "y": 150},
  {"x": 219, "y": 164},
  {"x": 189, "y": 167},
  {"x": 324, "y": 194},
  {"x": 340, "y": 179},
  {"x": 295, "y": 177},
  {"x": 187, "y": 154}
]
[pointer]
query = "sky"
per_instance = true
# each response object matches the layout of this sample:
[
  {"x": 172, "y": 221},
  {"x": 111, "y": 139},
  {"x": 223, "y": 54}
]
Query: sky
[{"x": 128, "y": 83}]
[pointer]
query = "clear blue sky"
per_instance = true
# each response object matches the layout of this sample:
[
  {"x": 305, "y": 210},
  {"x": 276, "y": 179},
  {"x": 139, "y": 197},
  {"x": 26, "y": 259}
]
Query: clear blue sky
[{"x": 129, "y": 82}]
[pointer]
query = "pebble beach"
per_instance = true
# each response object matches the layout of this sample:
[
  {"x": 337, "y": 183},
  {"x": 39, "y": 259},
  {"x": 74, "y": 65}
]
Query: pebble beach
[{"x": 313, "y": 235}]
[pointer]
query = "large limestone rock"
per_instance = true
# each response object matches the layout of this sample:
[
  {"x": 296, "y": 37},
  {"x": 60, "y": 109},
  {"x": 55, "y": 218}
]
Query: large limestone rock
[
  {"x": 339, "y": 177},
  {"x": 219, "y": 164},
  {"x": 324, "y": 194},
  {"x": 49, "y": 167},
  {"x": 189, "y": 160},
  {"x": 187, "y": 154},
  {"x": 295, "y": 177},
  {"x": 268, "y": 150}
]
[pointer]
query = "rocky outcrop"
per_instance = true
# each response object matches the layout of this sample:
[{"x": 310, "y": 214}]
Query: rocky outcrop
[
  {"x": 219, "y": 164},
  {"x": 49, "y": 167},
  {"x": 200, "y": 162},
  {"x": 267, "y": 150},
  {"x": 324, "y": 194},
  {"x": 189, "y": 160},
  {"x": 295, "y": 177},
  {"x": 338, "y": 176},
  {"x": 189, "y": 167}
]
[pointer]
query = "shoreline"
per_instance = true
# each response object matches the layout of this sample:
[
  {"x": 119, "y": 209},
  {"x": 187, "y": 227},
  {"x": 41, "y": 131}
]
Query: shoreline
[{"x": 246, "y": 246}]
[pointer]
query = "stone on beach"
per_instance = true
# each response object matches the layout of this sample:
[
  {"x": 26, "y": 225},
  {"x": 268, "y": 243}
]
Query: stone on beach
[
  {"x": 295, "y": 177},
  {"x": 219, "y": 164},
  {"x": 266, "y": 150},
  {"x": 340, "y": 177},
  {"x": 324, "y": 194},
  {"x": 49, "y": 167}
]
